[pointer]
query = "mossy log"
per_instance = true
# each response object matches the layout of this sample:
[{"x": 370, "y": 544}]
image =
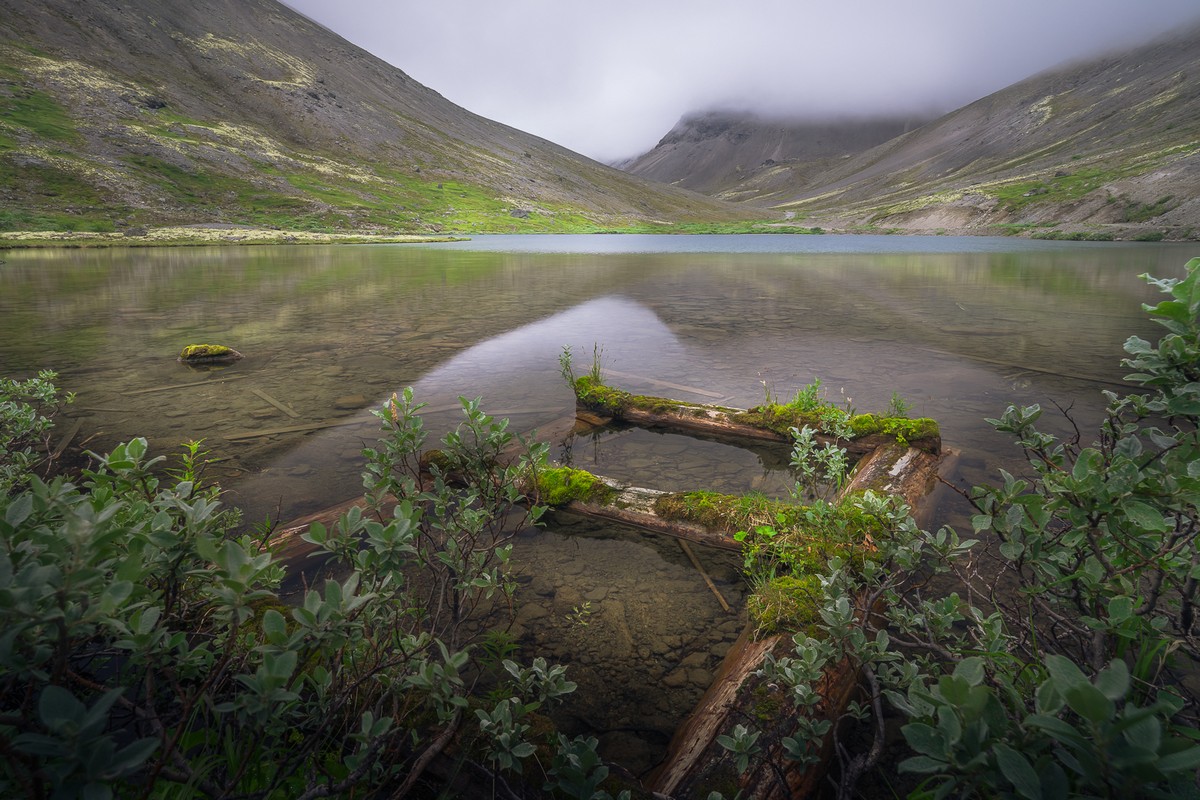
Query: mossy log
[
  {"x": 763, "y": 423},
  {"x": 696, "y": 763},
  {"x": 635, "y": 506}
]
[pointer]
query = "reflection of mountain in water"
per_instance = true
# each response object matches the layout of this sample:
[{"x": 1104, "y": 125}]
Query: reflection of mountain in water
[{"x": 516, "y": 373}]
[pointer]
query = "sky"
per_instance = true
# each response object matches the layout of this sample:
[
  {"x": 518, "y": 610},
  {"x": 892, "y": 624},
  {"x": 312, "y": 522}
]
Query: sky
[{"x": 609, "y": 78}]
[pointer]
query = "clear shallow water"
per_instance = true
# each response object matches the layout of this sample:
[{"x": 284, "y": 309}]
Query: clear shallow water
[{"x": 958, "y": 327}]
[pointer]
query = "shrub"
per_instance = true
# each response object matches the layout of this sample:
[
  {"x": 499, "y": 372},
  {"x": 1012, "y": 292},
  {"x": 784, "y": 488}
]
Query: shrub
[
  {"x": 1066, "y": 667},
  {"x": 145, "y": 649},
  {"x": 25, "y": 426}
]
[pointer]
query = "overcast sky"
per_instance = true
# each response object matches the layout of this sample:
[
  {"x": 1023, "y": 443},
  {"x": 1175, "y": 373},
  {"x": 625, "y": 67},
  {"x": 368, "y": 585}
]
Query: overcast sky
[{"x": 608, "y": 78}]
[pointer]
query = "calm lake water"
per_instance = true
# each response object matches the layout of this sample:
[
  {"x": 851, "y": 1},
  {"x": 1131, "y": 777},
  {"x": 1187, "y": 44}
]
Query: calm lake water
[{"x": 959, "y": 327}]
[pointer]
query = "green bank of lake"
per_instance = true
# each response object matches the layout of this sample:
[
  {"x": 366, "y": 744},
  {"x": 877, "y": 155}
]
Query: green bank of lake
[{"x": 959, "y": 327}]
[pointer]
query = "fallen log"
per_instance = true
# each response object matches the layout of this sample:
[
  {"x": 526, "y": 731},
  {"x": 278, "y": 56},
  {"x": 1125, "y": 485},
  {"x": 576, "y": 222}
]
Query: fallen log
[
  {"x": 890, "y": 463},
  {"x": 696, "y": 763},
  {"x": 771, "y": 423}
]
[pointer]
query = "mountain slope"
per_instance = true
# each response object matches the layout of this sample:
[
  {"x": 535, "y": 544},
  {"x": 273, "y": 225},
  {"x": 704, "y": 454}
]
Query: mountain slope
[
  {"x": 1114, "y": 141},
  {"x": 718, "y": 151},
  {"x": 166, "y": 111}
]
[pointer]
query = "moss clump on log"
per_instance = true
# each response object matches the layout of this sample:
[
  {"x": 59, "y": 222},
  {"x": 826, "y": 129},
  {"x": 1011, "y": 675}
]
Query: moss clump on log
[
  {"x": 594, "y": 395},
  {"x": 779, "y": 418},
  {"x": 610, "y": 401},
  {"x": 562, "y": 485},
  {"x": 905, "y": 430},
  {"x": 208, "y": 354},
  {"x": 785, "y": 604},
  {"x": 726, "y": 512}
]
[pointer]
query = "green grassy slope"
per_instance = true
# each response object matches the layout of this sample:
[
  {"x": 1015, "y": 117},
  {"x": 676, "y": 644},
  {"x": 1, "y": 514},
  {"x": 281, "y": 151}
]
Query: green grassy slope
[{"x": 151, "y": 112}]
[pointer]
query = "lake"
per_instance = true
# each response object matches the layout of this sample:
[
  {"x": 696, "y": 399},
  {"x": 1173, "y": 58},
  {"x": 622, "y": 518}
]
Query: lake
[{"x": 958, "y": 327}]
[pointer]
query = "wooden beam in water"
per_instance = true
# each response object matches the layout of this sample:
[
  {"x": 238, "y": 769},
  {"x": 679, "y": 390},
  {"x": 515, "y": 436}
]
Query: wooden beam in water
[
  {"x": 285, "y": 409},
  {"x": 712, "y": 587},
  {"x": 666, "y": 384},
  {"x": 174, "y": 386},
  {"x": 312, "y": 426}
]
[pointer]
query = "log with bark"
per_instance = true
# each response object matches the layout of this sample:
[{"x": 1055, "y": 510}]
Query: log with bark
[{"x": 771, "y": 423}]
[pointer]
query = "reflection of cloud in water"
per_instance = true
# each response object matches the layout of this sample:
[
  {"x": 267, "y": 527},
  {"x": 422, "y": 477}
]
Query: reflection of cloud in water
[
  {"x": 516, "y": 373},
  {"x": 518, "y": 368}
]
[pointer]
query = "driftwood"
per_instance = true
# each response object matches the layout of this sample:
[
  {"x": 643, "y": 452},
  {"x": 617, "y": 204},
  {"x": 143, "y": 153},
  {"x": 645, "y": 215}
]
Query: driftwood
[{"x": 695, "y": 761}]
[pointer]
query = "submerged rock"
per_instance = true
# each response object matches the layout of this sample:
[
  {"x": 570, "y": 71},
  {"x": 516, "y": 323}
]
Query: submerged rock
[{"x": 209, "y": 354}]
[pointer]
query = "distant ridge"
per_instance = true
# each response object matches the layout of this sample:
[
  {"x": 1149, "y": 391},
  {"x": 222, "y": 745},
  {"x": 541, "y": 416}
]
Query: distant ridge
[
  {"x": 1113, "y": 141},
  {"x": 135, "y": 112},
  {"x": 715, "y": 152}
]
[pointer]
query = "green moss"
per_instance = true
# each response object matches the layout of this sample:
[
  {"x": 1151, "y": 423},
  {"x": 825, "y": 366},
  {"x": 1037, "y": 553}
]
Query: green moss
[
  {"x": 594, "y": 395},
  {"x": 561, "y": 485},
  {"x": 906, "y": 431},
  {"x": 781, "y": 418},
  {"x": 727, "y": 512},
  {"x": 786, "y": 604},
  {"x": 436, "y": 458},
  {"x": 208, "y": 352}
]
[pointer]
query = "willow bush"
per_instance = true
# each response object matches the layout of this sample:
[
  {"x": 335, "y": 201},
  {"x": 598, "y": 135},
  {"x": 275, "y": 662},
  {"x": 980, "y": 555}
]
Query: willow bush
[
  {"x": 145, "y": 650},
  {"x": 1066, "y": 665}
]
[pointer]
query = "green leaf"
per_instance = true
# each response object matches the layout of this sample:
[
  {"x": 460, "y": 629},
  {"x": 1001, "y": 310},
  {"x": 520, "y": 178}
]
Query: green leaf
[
  {"x": 922, "y": 764},
  {"x": 19, "y": 510},
  {"x": 924, "y": 739},
  {"x": 1048, "y": 699},
  {"x": 1060, "y": 730},
  {"x": 1090, "y": 462},
  {"x": 970, "y": 670},
  {"x": 1120, "y": 609},
  {"x": 1090, "y": 703},
  {"x": 1019, "y": 772},
  {"x": 1184, "y": 760},
  {"x": 274, "y": 625},
  {"x": 58, "y": 706},
  {"x": 1113, "y": 680},
  {"x": 1146, "y": 517}
]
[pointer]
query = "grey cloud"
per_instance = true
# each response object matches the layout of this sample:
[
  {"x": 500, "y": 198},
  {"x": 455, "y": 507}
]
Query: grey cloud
[{"x": 608, "y": 80}]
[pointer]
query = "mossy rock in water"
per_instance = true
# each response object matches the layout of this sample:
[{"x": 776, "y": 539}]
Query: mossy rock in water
[{"x": 209, "y": 354}]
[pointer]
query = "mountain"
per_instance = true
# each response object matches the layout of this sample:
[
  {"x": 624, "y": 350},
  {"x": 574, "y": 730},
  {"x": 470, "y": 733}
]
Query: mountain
[
  {"x": 1112, "y": 142},
  {"x": 135, "y": 112},
  {"x": 717, "y": 152}
]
